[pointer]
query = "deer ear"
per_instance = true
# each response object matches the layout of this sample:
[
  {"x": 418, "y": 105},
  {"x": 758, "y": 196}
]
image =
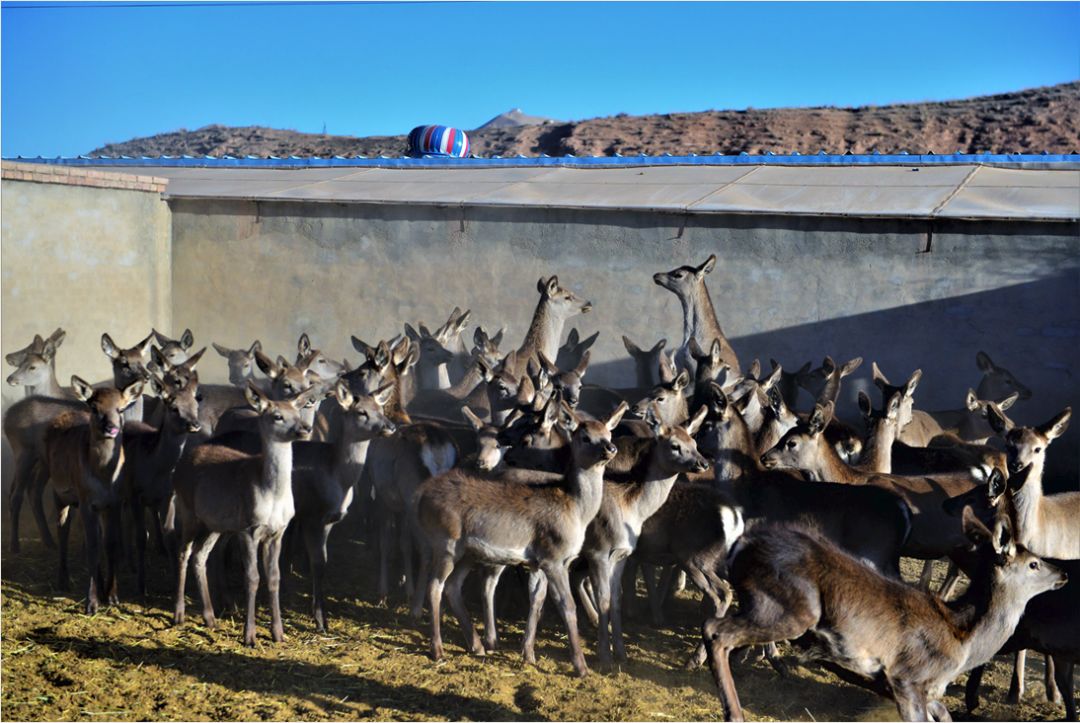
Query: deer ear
[
  {"x": 255, "y": 398},
  {"x": 1057, "y": 426},
  {"x": 425, "y": 333},
  {"x": 362, "y": 347},
  {"x": 696, "y": 421},
  {"x": 658, "y": 346},
  {"x": 616, "y": 416},
  {"x": 255, "y": 346},
  {"x": 588, "y": 341},
  {"x": 754, "y": 371},
  {"x": 132, "y": 392},
  {"x": 187, "y": 339},
  {"x": 1003, "y": 537},
  {"x": 573, "y": 338},
  {"x": 707, "y": 267},
  {"x": 681, "y": 381},
  {"x": 913, "y": 382},
  {"x": 193, "y": 360},
  {"x": 971, "y": 401},
  {"x": 820, "y": 418},
  {"x": 282, "y": 362},
  {"x": 695, "y": 349},
  {"x": 880, "y": 381},
  {"x": 479, "y": 337},
  {"x": 157, "y": 387},
  {"x": 266, "y": 365},
  {"x": 851, "y": 366},
  {"x": 144, "y": 345},
  {"x": 998, "y": 421},
  {"x": 303, "y": 345},
  {"x": 714, "y": 352},
  {"x": 109, "y": 347},
  {"x": 220, "y": 349},
  {"x": 631, "y": 348},
  {"x": 996, "y": 484},
  {"x": 974, "y": 529},
  {"x": 583, "y": 364},
  {"x": 828, "y": 365},
  {"x": 1009, "y": 401},
  {"x": 382, "y": 394},
  {"x": 82, "y": 388},
  {"x": 497, "y": 339},
  {"x": 982, "y": 360},
  {"x": 864, "y": 405},
  {"x": 552, "y": 286},
  {"x": 344, "y": 396},
  {"x": 652, "y": 419},
  {"x": 474, "y": 420},
  {"x": 462, "y": 321},
  {"x": 412, "y": 333},
  {"x": 158, "y": 361}
]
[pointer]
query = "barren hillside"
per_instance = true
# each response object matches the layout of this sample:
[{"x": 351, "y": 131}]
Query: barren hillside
[{"x": 1031, "y": 120}]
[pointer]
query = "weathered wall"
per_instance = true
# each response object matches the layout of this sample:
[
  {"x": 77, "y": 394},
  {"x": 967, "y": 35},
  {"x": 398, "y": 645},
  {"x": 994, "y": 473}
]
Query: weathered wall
[
  {"x": 790, "y": 288},
  {"x": 88, "y": 258}
]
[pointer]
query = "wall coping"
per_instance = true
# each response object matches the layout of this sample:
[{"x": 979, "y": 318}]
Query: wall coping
[{"x": 69, "y": 176}]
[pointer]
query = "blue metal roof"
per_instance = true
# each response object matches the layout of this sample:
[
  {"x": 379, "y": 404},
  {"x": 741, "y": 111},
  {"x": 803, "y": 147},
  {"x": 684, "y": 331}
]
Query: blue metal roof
[{"x": 770, "y": 159}]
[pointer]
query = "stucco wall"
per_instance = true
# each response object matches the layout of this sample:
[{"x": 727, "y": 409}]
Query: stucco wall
[
  {"x": 86, "y": 258},
  {"x": 790, "y": 288}
]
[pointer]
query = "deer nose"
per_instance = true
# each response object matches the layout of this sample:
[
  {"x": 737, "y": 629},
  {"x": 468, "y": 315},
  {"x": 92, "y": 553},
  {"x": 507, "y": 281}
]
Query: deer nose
[
  {"x": 194, "y": 427},
  {"x": 702, "y": 465},
  {"x": 658, "y": 278},
  {"x": 11, "y": 380},
  {"x": 611, "y": 449},
  {"x": 389, "y": 429}
]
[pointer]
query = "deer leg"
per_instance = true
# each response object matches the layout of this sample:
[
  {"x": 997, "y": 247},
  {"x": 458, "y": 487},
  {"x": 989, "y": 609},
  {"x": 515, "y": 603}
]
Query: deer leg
[
  {"x": 21, "y": 478},
  {"x": 405, "y": 541},
  {"x": 937, "y": 710},
  {"x": 249, "y": 552},
  {"x": 656, "y": 601},
  {"x": 491, "y": 581},
  {"x": 63, "y": 532},
  {"x": 600, "y": 572},
  {"x": 92, "y": 529},
  {"x": 204, "y": 545},
  {"x": 629, "y": 592},
  {"x": 586, "y": 598},
  {"x": 138, "y": 524},
  {"x": 1063, "y": 676},
  {"x": 385, "y": 532},
  {"x": 559, "y": 582},
  {"x": 315, "y": 537},
  {"x": 272, "y": 568},
  {"x": 971, "y": 689},
  {"x": 951, "y": 578},
  {"x": 1016, "y": 685},
  {"x": 114, "y": 552},
  {"x": 1053, "y": 695},
  {"x": 911, "y": 704},
  {"x": 537, "y": 593},
  {"x": 927, "y": 575},
  {"x": 442, "y": 564},
  {"x": 183, "y": 554},
  {"x": 754, "y": 627},
  {"x": 457, "y": 604},
  {"x": 416, "y": 609},
  {"x": 38, "y": 480},
  {"x": 616, "y": 609}
]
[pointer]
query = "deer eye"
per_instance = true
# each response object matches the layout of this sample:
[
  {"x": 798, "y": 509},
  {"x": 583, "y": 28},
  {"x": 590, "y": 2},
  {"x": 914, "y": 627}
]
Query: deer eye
[
  {"x": 792, "y": 444},
  {"x": 198, "y": 397},
  {"x": 1038, "y": 450},
  {"x": 678, "y": 274},
  {"x": 1034, "y": 565},
  {"x": 279, "y": 418}
]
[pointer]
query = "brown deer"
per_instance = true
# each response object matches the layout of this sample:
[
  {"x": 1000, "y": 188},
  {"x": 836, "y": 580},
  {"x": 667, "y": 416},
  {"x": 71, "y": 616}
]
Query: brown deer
[
  {"x": 646, "y": 362},
  {"x": 220, "y": 490},
  {"x": 241, "y": 362},
  {"x": 151, "y": 455},
  {"x": 469, "y": 519},
  {"x": 1047, "y": 524},
  {"x": 175, "y": 351},
  {"x": 84, "y": 458},
  {"x": 997, "y": 382},
  {"x": 793, "y": 582},
  {"x": 556, "y": 305},
  {"x": 129, "y": 366},
  {"x": 36, "y": 368},
  {"x": 699, "y": 316}
]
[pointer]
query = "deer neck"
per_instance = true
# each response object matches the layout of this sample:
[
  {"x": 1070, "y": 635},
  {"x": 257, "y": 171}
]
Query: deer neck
[
  {"x": 1027, "y": 502},
  {"x": 829, "y": 467},
  {"x": 277, "y": 459},
  {"x": 437, "y": 377},
  {"x": 739, "y": 459},
  {"x": 467, "y": 384},
  {"x": 51, "y": 387},
  {"x": 877, "y": 454},
  {"x": 656, "y": 485},
  {"x": 991, "y": 630},
  {"x": 586, "y": 486},
  {"x": 106, "y": 456},
  {"x": 543, "y": 335},
  {"x": 169, "y": 446},
  {"x": 350, "y": 454},
  {"x": 699, "y": 317}
]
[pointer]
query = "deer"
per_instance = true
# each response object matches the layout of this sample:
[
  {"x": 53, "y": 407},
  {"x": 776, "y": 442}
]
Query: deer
[
  {"x": 220, "y": 490},
  {"x": 1049, "y": 624},
  {"x": 241, "y": 362},
  {"x": 467, "y": 519},
  {"x": 613, "y": 533},
  {"x": 316, "y": 362},
  {"x": 151, "y": 454},
  {"x": 175, "y": 351},
  {"x": 84, "y": 458},
  {"x": 440, "y": 350},
  {"x": 933, "y": 535},
  {"x": 573, "y": 349},
  {"x": 699, "y": 315},
  {"x": 556, "y": 305},
  {"x": 793, "y": 582},
  {"x": 36, "y": 367},
  {"x": 646, "y": 362},
  {"x": 129, "y": 366},
  {"x": 215, "y": 401},
  {"x": 789, "y": 382},
  {"x": 1047, "y": 524},
  {"x": 997, "y": 382}
]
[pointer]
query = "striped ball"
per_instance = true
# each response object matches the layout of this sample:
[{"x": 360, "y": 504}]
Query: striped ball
[{"x": 438, "y": 141}]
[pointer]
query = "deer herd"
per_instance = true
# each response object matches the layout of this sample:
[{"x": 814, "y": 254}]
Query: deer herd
[{"x": 465, "y": 458}]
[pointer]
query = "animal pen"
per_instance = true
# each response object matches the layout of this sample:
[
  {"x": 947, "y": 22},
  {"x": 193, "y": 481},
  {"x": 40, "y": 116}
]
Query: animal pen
[{"x": 950, "y": 264}]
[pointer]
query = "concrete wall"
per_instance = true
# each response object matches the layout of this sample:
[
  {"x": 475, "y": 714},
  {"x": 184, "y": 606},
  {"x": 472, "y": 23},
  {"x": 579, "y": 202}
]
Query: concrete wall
[
  {"x": 88, "y": 258},
  {"x": 907, "y": 294}
]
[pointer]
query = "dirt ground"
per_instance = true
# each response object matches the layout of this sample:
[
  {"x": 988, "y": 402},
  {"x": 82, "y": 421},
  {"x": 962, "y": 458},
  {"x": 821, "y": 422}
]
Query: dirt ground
[{"x": 129, "y": 662}]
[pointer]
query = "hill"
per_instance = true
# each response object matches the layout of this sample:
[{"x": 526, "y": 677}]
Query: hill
[{"x": 1031, "y": 120}]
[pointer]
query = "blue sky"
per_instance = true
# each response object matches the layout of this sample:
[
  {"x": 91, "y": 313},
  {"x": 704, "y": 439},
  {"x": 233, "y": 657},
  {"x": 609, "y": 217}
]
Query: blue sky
[{"x": 75, "y": 78}]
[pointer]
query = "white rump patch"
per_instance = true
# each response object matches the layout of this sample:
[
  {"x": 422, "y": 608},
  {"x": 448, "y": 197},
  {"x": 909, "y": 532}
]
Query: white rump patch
[{"x": 732, "y": 520}]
